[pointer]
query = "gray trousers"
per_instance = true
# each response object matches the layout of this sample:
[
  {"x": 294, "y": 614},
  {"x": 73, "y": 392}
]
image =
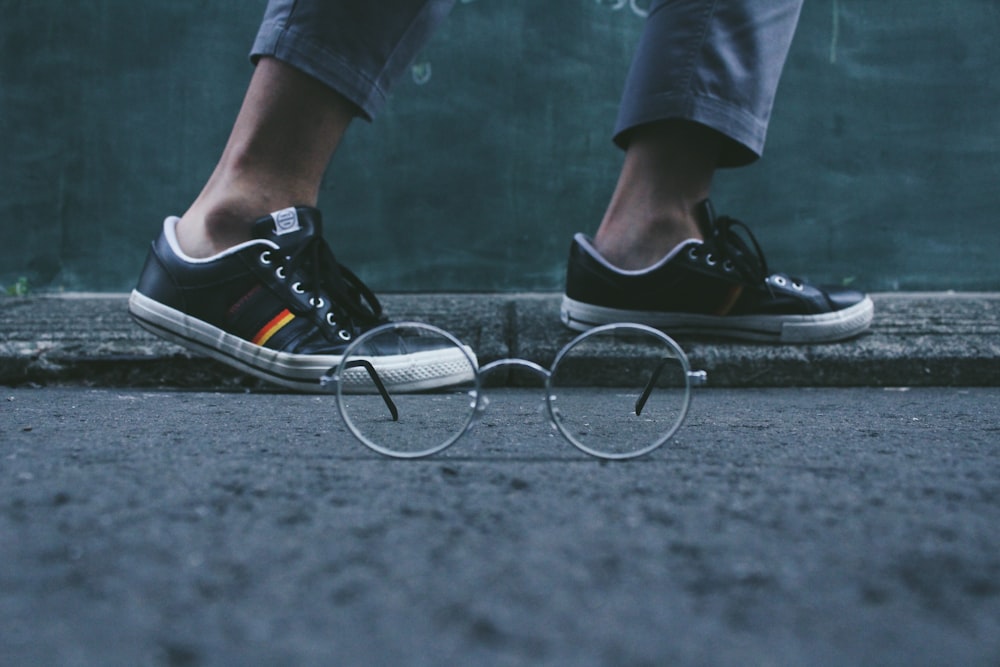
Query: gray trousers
[{"x": 715, "y": 62}]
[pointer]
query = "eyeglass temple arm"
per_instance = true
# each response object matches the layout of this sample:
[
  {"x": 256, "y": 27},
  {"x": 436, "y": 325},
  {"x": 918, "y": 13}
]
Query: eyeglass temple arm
[
  {"x": 695, "y": 377},
  {"x": 641, "y": 401},
  {"x": 367, "y": 365}
]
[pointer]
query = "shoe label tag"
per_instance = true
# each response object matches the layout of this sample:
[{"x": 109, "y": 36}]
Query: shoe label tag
[{"x": 286, "y": 221}]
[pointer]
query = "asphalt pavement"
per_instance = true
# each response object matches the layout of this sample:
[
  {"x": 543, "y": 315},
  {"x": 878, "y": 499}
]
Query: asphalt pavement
[{"x": 781, "y": 526}]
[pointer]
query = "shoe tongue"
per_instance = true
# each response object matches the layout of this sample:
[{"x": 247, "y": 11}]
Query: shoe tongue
[{"x": 289, "y": 227}]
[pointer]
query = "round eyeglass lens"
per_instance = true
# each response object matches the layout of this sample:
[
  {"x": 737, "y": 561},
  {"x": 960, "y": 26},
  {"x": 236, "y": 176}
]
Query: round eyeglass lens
[
  {"x": 619, "y": 391},
  {"x": 407, "y": 390}
]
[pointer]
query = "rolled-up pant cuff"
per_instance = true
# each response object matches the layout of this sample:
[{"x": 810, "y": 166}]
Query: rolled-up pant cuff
[
  {"x": 710, "y": 62},
  {"x": 358, "y": 48}
]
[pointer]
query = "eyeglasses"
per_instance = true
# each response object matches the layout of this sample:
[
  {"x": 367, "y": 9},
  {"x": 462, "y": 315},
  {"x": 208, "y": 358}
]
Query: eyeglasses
[{"x": 409, "y": 390}]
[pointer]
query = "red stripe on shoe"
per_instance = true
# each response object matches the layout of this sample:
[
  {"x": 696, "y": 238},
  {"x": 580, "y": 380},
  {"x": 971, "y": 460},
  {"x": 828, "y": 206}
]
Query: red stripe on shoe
[{"x": 272, "y": 327}]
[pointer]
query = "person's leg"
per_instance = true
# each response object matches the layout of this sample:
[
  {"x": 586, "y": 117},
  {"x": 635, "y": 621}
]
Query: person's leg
[
  {"x": 667, "y": 172},
  {"x": 246, "y": 276},
  {"x": 319, "y": 64},
  {"x": 284, "y": 136},
  {"x": 698, "y": 97}
]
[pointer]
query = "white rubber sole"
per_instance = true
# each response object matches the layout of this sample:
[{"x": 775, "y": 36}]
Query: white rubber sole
[
  {"x": 301, "y": 372},
  {"x": 822, "y": 328}
]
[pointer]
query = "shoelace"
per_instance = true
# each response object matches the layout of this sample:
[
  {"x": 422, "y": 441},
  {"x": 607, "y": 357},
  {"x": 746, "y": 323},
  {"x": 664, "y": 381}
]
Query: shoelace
[
  {"x": 354, "y": 305},
  {"x": 749, "y": 263}
]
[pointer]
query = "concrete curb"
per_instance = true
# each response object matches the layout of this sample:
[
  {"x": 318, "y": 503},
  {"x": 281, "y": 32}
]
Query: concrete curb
[{"x": 933, "y": 339}]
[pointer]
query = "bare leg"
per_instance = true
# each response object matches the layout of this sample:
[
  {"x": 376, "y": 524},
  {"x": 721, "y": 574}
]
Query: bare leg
[
  {"x": 668, "y": 170},
  {"x": 284, "y": 136}
]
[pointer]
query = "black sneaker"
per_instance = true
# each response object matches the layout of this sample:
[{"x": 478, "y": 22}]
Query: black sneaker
[
  {"x": 279, "y": 307},
  {"x": 721, "y": 287}
]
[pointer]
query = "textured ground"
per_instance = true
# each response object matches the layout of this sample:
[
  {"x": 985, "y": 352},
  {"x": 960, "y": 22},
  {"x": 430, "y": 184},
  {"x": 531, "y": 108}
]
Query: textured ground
[{"x": 783, "y": 526}]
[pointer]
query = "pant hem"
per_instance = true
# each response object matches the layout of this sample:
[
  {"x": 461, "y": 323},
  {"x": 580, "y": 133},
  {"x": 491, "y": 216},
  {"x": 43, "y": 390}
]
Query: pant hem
[
  {"x": 328, "y": 67},
  {"x": 746, "y": 133}
]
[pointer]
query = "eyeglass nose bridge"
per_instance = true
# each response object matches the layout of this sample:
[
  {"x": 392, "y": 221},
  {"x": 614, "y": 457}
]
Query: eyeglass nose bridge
[
  {"x": 538, "y": 369},
  {"x": 523, "y": 364},
  {"x": 482, "y": 399}
]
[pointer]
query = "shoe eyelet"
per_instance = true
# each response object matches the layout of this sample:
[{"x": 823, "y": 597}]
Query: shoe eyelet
[
  {"x": 728, "y": 266},
  {"x": 297, "y": 288},
  {"x": 693, "y": 253},
  {"x": 265, "y": 258},
  {"x": 779, "y": 281},
  {"x": 798, "y": 286},
  {"x": 317, "y": 302},
  {"x": 331, "y": 320},
  {"x": 710, "y": 260},
  {"x": 344, "y": 335},
  {"x": 280, "y": 272}
]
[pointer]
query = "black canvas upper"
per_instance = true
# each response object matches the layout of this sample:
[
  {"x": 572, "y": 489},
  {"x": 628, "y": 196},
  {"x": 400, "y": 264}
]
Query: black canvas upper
[
  {"x": 727, "y": 274},
  {"x": 243, "y": 291}
]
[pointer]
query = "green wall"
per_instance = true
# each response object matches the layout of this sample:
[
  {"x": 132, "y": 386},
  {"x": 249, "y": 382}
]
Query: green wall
[{"x": 881, "y": 166}]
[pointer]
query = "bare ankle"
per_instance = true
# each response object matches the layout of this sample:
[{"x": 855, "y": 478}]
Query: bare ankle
[
  {"x": 637, "y": 244},
  {"x": 203, "y": 233}
]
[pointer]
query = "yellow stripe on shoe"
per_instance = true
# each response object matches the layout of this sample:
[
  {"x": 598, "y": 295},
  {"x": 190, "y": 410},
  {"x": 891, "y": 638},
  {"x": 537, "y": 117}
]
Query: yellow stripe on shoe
[{"x": 272, "y": 327}]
